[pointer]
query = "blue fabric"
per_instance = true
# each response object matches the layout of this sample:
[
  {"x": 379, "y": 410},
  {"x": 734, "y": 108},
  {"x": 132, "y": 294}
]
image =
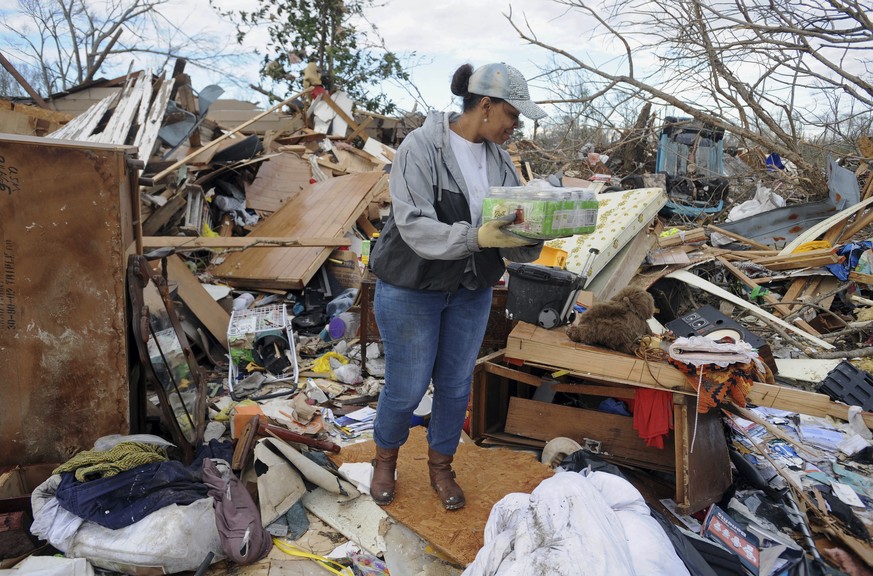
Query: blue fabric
[
  {"x": 614, "y": 406},
  {"x": 773, "y": 162},
  {"x": 121, "y": 500},
  {"x": 126, "y": 498},
  {"x": 427, "y": 335},
  {"x": 852, "y": 252}
]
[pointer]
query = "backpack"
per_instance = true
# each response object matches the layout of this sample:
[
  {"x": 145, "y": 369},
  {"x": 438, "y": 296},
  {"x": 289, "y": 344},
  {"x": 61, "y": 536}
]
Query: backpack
[{"x": 243, "y": 538}]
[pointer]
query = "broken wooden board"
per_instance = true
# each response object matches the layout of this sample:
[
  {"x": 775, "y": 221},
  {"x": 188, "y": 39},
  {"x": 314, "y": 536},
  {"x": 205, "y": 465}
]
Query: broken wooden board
[
  {"x": 278, "y": 180},
  {"x": 552, "y": 347},
  {"x": 30, "y": 120},
  {"x": 620, "y": 217},
  {"x": 183, "y": 243},
  {"x": 698, "y": 282},
  {"x": 802, "y": 401},
  {"x": 486, "y": 475},
  {"x": 197, "y": 299},
  {"x": 135, "y": 118},
  {"x": 327, "y": 209}
]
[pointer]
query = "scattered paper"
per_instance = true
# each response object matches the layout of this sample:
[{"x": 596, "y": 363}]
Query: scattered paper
[{"x": 845, "y": 493}]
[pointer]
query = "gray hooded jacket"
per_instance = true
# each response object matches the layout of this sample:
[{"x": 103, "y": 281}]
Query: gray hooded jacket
[{"x": 428, "y": 241}]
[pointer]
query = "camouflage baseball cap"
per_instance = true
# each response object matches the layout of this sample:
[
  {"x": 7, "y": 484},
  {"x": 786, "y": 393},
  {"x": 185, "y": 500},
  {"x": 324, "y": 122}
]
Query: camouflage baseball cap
[{"x": 507, "y": 83}]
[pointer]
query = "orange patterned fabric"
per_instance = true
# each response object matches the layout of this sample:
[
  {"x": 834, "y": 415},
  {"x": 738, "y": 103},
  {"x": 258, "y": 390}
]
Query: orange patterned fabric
[{"x": 733, "y": 382}]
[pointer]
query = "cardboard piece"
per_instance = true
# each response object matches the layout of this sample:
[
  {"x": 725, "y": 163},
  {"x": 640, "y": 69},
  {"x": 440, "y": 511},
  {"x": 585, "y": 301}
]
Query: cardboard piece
[
  {"x": 66, "y": 226},
  {"x": 486, "y": 475}
]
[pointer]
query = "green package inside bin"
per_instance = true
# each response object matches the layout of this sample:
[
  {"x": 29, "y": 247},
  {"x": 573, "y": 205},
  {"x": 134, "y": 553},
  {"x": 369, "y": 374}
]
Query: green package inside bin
[{"x": 543, "y": 213}]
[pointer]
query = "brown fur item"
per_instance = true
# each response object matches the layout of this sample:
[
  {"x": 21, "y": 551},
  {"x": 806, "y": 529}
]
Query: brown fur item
[{"x": 616, "y": 324}]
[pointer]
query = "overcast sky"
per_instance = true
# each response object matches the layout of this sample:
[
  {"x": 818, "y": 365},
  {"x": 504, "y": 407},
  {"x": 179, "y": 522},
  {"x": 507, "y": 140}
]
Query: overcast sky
[{"x": 443, "y": 35}]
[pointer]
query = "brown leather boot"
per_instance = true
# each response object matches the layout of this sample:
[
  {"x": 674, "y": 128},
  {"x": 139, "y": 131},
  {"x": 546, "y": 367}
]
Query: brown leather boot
[
  {"x": 382, "y": 484},
  {"x": 442, "y": 479}
]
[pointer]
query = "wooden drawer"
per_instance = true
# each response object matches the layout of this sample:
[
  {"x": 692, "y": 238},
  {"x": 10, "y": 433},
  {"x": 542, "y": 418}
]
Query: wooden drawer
[{"x": 503, "y": 410}]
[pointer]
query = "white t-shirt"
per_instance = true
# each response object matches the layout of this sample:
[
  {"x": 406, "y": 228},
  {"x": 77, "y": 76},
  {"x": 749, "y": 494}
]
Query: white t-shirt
[{"x": 472, "y": 160}]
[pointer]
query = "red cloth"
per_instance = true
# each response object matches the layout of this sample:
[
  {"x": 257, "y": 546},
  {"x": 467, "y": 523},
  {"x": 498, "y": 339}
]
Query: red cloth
[{"x": 653, "y": 415}]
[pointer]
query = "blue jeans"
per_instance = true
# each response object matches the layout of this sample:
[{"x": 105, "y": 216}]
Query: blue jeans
[{"x": 428, "y": 336}]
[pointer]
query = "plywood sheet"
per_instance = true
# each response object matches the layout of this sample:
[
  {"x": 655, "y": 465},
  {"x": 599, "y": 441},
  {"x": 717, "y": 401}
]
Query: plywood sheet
[
  {"x": 486, "y": 475},
  {"x": 553, "y": 348},
  {"x": 279, "y": 179},
  {"x": 327, "y": 209},
  {"x": 620, "y": 216},
  {"x": 65, "y": 229}
]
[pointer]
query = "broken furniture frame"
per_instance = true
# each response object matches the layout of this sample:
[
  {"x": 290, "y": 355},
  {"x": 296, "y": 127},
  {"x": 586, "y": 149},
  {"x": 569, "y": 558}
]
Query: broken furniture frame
[
  {"x": 503, "y": 410},
  {"x": 166, "y": 357},
  {"x": 258, "y": 427}
]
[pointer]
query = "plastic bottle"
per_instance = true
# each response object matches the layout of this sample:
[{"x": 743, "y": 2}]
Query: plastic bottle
[
  {"x": 342, "y": 302},
  {"x": 373, "y": 240},
  {"x": 243, "y": 301},
  {"x": 345, "y": 325}
]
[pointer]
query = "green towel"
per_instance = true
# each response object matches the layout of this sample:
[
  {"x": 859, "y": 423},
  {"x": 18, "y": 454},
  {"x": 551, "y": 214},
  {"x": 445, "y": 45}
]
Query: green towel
[{"x": 90, "y": 464}]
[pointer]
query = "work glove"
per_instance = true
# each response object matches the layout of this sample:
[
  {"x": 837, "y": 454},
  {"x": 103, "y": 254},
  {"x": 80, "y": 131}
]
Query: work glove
[{"x": 492, "y": 235}]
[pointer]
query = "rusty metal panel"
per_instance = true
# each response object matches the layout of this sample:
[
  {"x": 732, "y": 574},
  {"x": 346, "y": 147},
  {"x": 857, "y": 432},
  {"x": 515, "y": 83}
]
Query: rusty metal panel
[{"x": 65, "y": 230}]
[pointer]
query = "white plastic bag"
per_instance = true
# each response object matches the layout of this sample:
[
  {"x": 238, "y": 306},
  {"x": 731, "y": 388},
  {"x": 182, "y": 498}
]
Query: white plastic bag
[
  {"x": 764, "y": 201},
  {"x": 174, "y": 538}
]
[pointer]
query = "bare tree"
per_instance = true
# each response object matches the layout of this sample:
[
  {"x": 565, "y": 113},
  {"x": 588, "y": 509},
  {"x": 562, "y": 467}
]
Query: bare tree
[
  {"x": 765, "y": 70},
  {"x": 9, "y": 85},
  {"x": 70, "y": 41}
]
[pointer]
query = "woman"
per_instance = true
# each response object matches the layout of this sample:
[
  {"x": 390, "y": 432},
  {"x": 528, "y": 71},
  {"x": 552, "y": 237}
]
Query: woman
[{"x": 435, "y": 266}]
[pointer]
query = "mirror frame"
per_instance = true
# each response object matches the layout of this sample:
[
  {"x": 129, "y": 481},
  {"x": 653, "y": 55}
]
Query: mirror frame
[{"x": 139, "y": 274}]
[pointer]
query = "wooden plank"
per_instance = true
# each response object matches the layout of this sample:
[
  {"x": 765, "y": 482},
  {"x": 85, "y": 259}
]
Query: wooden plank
[
  {"x": 163, "y": 215},
  {"x": 340, "y": 112},
  {"x": 799, "y": 257},
  {"x": 366, "y": 226},
  {"x": 358, "y": 131},
  {"x": 552, "y": 347},
  {"x": 810, "y": 262},
  {"x": 22, "y": 82},
  {"x": 703, "y": 467},
  {"x": 683, "y": 237},
  {"x": 861, "y": 278},
  {"x": 278, "y": 180},
  {"x": 735, "y": 236},
  {"x": 201, "y": 242},
  {"x": 84, "y": 124},
  {"x": 197, "y": 299},
  {"x": 782, "y": 309},
  {"x": 148, "y": 131},
  {"x": 802, "y": 401},
  {"x": 617, "y": 437},
  {"x": 119, "y": 124},
  {"x": 175, "y": 166},
  {"x": 326, "y": 209},
  {"x": 568, "y": 387},
  {"x": 862, "y": 220},
  {"x": 692, "y": 280}
]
